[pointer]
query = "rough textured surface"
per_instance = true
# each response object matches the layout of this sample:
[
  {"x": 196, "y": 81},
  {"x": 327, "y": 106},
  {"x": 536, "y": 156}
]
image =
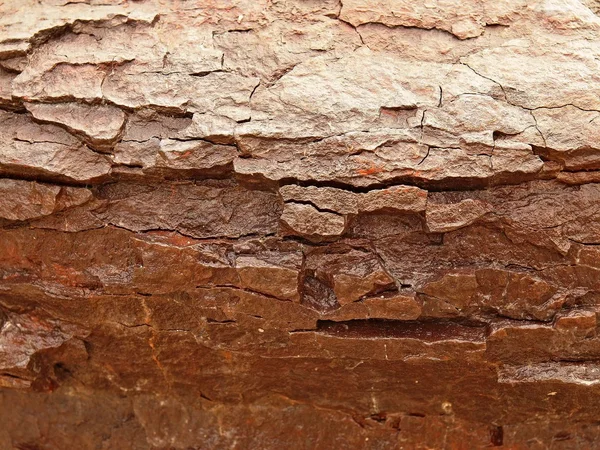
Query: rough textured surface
[{"x": 303, "y": 224}]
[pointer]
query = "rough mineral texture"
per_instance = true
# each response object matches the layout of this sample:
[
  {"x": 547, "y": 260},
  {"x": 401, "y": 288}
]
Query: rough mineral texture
[{"x": 299, "y": 224}]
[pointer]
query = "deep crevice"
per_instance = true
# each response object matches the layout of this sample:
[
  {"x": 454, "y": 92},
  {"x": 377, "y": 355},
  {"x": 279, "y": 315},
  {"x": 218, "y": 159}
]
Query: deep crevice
[{"x": 425, "y": 330}]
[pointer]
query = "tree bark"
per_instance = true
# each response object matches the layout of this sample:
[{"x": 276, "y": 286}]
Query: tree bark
[{"x": 303, "y": 224}]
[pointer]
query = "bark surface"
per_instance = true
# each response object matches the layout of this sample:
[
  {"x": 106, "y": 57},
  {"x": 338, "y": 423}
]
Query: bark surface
[{"x": 299, "y": 224}]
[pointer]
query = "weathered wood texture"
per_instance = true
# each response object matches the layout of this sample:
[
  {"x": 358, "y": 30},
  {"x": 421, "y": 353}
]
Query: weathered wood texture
[{"x": 299, "y": 224}]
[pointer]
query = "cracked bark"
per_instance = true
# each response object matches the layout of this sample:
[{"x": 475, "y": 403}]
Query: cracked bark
[{"x": 223, "y": 221}]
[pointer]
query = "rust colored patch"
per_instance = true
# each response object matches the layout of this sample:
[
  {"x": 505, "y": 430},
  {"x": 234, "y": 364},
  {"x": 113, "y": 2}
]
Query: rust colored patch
[
  {"x": 371, "y": 170},
  {"x": 186, "y": 154},
  {"x": 68, "y": 275}
]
